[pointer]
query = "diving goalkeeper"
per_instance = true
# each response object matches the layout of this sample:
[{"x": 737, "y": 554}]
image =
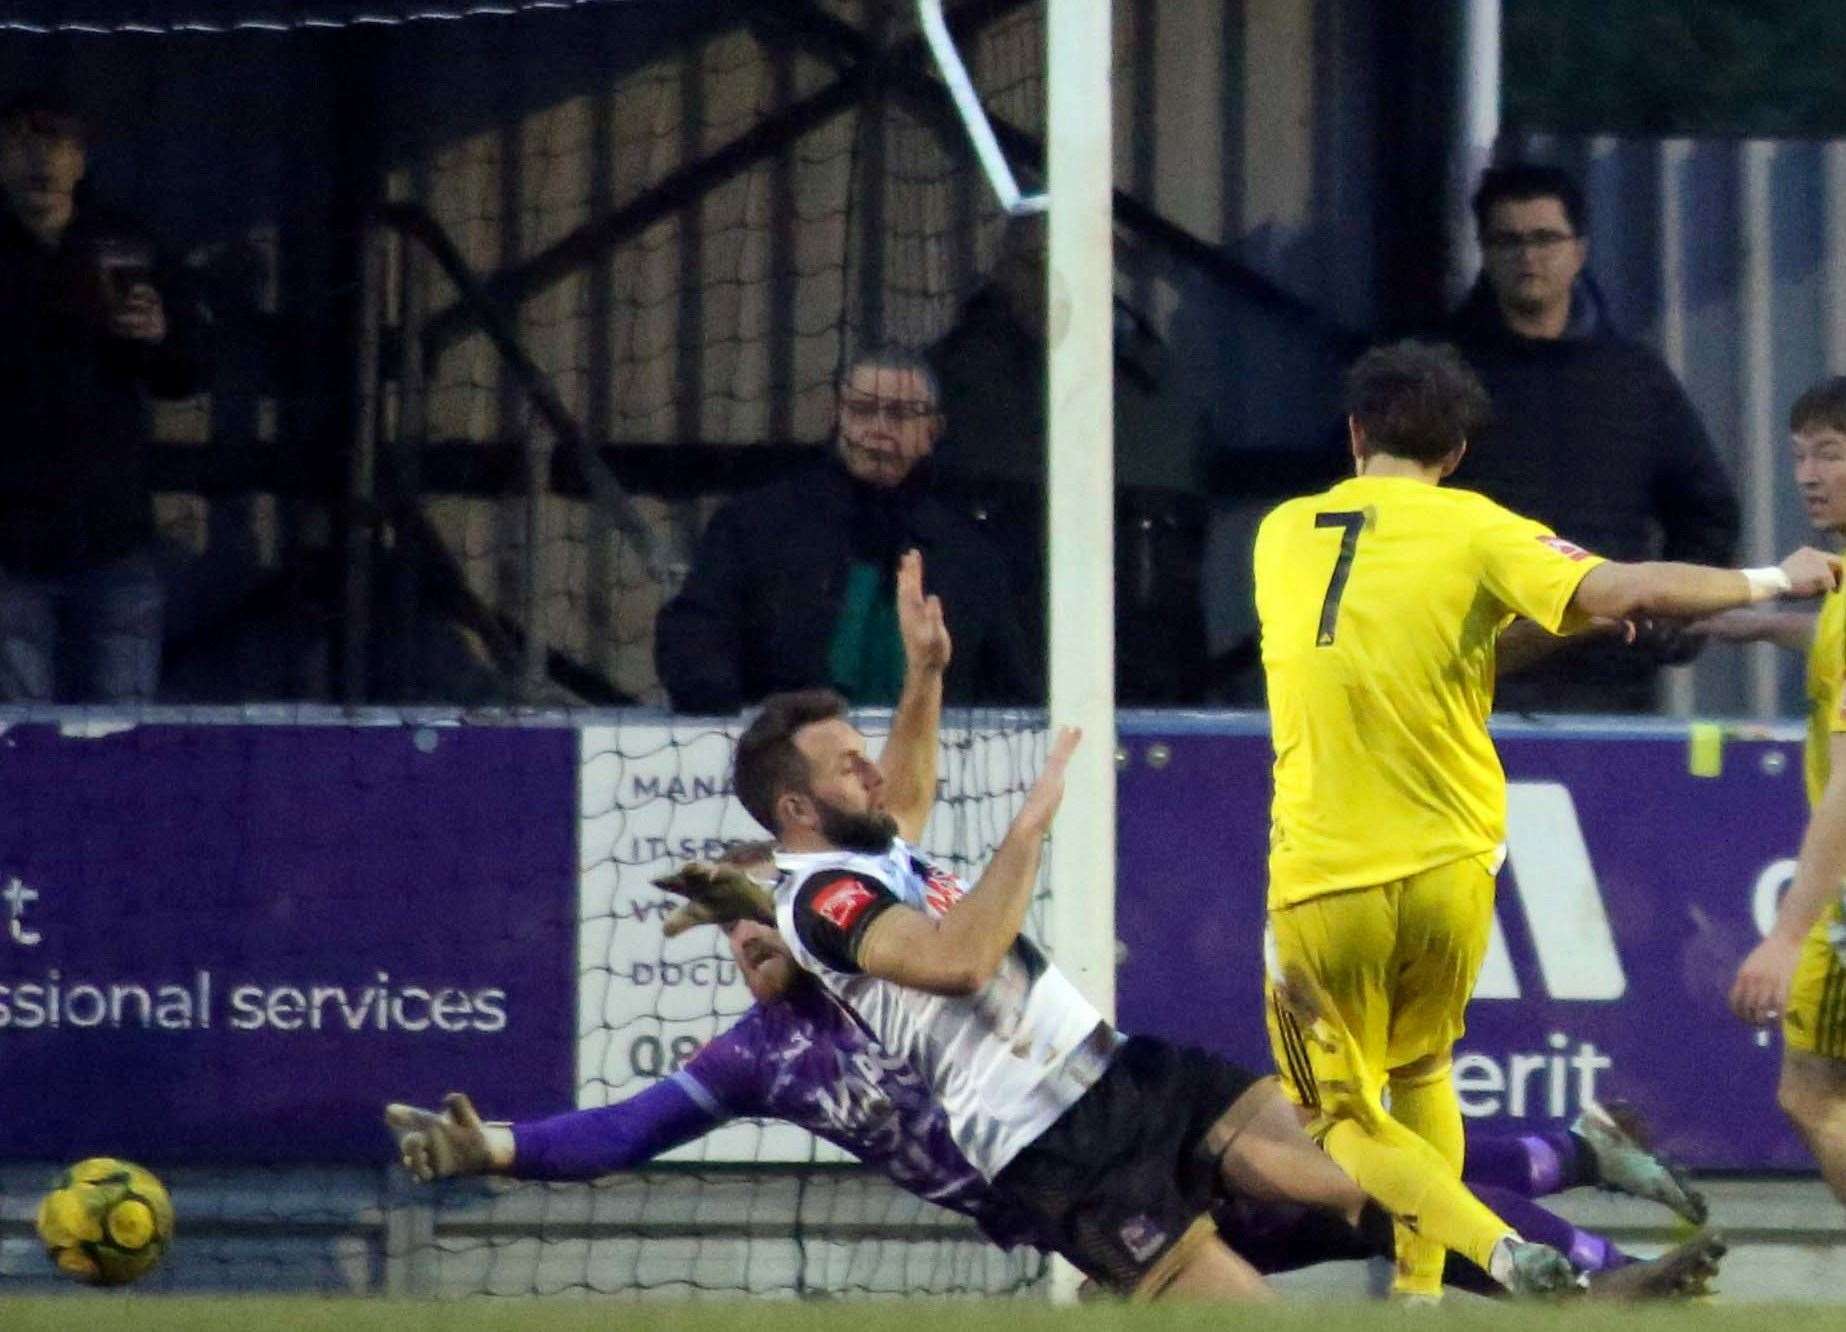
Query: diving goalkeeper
[{"x": 796, "y": 1056}]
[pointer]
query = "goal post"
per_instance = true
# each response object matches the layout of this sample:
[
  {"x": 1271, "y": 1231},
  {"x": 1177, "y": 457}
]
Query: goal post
[
  {"x": 1080, "y": 498},
  {"x": 648, "y": 235},
  {"x": 1081, "y": 489},
  {"x": 1080, "y": 447}
]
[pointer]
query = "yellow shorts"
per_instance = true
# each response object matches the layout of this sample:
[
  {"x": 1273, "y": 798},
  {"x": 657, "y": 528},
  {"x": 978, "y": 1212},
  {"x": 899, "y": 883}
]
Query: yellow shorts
[
  {"x": 1392, "y": 965},
  {"x": 1816, "y": 1018}
]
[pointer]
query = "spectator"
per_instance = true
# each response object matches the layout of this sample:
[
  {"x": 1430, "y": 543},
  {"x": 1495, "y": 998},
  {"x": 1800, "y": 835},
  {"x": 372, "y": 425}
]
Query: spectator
[
  {"x": 794, "y": 585},
  {"x": 87, "y": 335},
  {"x": 1591, "y": 434}
]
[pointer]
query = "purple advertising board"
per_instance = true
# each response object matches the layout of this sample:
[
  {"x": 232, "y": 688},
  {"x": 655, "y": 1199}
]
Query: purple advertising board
[
  {"x": 235, "y": 943},
  {"x": 1631, "y": 892}
]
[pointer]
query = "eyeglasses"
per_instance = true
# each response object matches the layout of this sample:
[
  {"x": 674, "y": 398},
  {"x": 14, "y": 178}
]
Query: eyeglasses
[
  {"x": 895, "y": 411},
  {"x": 1511, "y": 242}
]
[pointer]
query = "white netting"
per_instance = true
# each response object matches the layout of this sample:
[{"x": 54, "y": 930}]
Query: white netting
[{"x": 685, "y": 227}]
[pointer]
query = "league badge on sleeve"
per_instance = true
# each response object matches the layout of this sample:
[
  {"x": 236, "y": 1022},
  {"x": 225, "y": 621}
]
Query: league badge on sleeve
[{"x": 1568, "y": 549}]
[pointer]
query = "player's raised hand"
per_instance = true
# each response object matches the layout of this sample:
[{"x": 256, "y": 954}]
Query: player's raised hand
[
  {"x": 1811, "y": 572},
  {"x": 437, "y": 1145},
  {"x": 1047, "y": 793},
  {"x": 715, "y": 895},
  {"x": 919, "y": 617},
  {"x": 1760, "y": 993}
]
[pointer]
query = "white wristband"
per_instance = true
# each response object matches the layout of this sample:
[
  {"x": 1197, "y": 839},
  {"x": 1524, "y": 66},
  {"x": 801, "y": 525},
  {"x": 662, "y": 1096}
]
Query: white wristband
[{"x": 1767, "y": 583}]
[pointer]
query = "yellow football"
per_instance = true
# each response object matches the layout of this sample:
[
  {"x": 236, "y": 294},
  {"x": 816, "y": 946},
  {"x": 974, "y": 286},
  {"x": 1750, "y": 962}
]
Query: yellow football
[{"x": 106, "y": 1221}]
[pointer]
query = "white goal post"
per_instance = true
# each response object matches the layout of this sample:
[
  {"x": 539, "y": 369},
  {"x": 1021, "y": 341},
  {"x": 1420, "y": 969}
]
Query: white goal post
[
  {"x": 1080, "y": 520},
  {"x": 1080, "y": 420},
  {"x": 1081, "y": 486}
]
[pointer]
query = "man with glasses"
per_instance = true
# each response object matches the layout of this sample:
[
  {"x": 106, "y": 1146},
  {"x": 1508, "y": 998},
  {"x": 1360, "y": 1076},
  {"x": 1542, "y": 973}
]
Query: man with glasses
[
  {"x": 1590, "y": 431},
  {"x": 793, "y": 585}
]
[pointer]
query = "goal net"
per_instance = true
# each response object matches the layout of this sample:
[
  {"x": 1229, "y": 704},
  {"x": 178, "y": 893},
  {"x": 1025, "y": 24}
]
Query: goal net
[
  {"x": 754, "y": 1207},
  {"x": 508, "y": 298},
  {"x": 685, "y": 312}
]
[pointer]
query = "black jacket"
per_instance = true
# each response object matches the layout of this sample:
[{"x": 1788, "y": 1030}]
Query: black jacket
[
  {"x": 1594, "y": 437},
  {"x": 73, "y": 458},
  {"x": 758, "y": 608}
]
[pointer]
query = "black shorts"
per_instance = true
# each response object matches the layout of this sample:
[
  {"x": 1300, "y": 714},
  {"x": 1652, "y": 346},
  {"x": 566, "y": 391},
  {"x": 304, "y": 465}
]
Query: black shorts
[{"x": 1122, "y": 1174}]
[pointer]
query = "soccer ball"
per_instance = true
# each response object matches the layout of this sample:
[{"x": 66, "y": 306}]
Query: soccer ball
[{"x": 106, "y": 1221}]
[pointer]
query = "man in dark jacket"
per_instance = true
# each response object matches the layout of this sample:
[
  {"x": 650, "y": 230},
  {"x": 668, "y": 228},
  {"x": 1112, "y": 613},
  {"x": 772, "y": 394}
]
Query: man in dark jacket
[
  {"x": 1591, "y": 434},
  {"x": 793, "y": 585},
  {"x": 85, "y": 337}
]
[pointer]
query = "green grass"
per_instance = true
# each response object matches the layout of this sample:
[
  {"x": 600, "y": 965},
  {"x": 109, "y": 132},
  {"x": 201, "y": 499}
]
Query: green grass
[{"x": 102, "y": 1313}]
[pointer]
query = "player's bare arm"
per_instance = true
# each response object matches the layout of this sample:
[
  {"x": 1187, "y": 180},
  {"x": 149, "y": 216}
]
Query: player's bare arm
[
  {"x": 959, "y": 952},
  {"x": 1760, "y": 992},
  {"x": 1784, "y": 626},
  {"x": 1622, "y": 591},
  {"x": 908, "y": 760},
  {"x": 1524, "y": 643},
  {"x": 438, "y": 1144}
]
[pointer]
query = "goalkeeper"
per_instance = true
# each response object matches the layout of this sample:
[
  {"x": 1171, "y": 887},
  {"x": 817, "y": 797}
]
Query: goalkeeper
[{"x": 797, "y": 1056}]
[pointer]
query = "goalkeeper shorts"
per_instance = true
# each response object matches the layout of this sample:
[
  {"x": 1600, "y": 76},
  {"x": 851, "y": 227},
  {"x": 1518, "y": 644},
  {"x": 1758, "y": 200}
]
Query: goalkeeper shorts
[{"x": 1123, "y": 1178}]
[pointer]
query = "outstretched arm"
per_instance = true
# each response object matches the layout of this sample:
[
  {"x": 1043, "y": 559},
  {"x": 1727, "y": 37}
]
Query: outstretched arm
[
  {"x": 576, "y": 1145},
  {"x": 1525, "y": 643},
  {"x": 908, "y": 760},
  {"x": 1623, "y": 591},
  {"x": 1784, "y": 626}
]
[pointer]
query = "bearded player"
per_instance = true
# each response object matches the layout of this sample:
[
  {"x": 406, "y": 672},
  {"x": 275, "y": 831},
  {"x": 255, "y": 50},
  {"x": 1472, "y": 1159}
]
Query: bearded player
[
  {"x": 1115, "y": 1146},
  {"x": 1112, "y": 1147},
  {"x": 798, "y": 1056}
]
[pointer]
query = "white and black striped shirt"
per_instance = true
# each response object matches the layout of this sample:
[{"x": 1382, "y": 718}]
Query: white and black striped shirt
[{"x": 1006, "y": 1061}]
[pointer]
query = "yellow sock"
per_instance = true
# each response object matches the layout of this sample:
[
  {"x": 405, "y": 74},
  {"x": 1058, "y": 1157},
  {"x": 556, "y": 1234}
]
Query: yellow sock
[
  {"x": 1428, "y": 1107},
  {"x": 1412, "y": 1180}
]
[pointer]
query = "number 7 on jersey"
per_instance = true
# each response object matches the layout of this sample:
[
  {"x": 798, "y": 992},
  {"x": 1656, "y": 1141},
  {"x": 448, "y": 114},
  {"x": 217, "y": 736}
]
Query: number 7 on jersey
[{"x": 1352, "y": 522}]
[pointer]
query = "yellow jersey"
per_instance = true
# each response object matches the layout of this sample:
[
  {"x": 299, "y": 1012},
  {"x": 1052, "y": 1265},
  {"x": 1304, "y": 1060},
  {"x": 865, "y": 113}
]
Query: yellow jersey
[
  {"x": 1381, "y": 601},
  {"x": 1826, "y": 674}
]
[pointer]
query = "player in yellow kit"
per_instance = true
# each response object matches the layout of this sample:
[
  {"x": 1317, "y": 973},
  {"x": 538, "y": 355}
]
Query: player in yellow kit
[
  {"x": 1797, "y": 972},
  {"x": 1382, "y": 601}
]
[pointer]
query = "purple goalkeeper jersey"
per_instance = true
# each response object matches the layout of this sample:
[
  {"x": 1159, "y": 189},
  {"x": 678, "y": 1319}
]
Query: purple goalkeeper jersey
[{"x": 803, "y": 1060}]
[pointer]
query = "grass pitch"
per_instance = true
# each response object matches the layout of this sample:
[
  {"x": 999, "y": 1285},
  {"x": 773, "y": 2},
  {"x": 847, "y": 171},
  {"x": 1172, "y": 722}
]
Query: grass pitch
[{"x": 133, "y": 1313}]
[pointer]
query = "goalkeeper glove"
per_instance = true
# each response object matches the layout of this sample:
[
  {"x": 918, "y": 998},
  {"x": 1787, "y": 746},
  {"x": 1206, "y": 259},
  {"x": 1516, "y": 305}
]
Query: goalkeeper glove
[
  {"x": 716, "y": 895},
  {"x": 438, "y": 1145}
]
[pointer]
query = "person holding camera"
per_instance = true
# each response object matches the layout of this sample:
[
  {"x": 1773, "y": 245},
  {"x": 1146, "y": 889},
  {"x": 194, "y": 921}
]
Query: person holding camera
[{"x": 87, "y": 335}]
